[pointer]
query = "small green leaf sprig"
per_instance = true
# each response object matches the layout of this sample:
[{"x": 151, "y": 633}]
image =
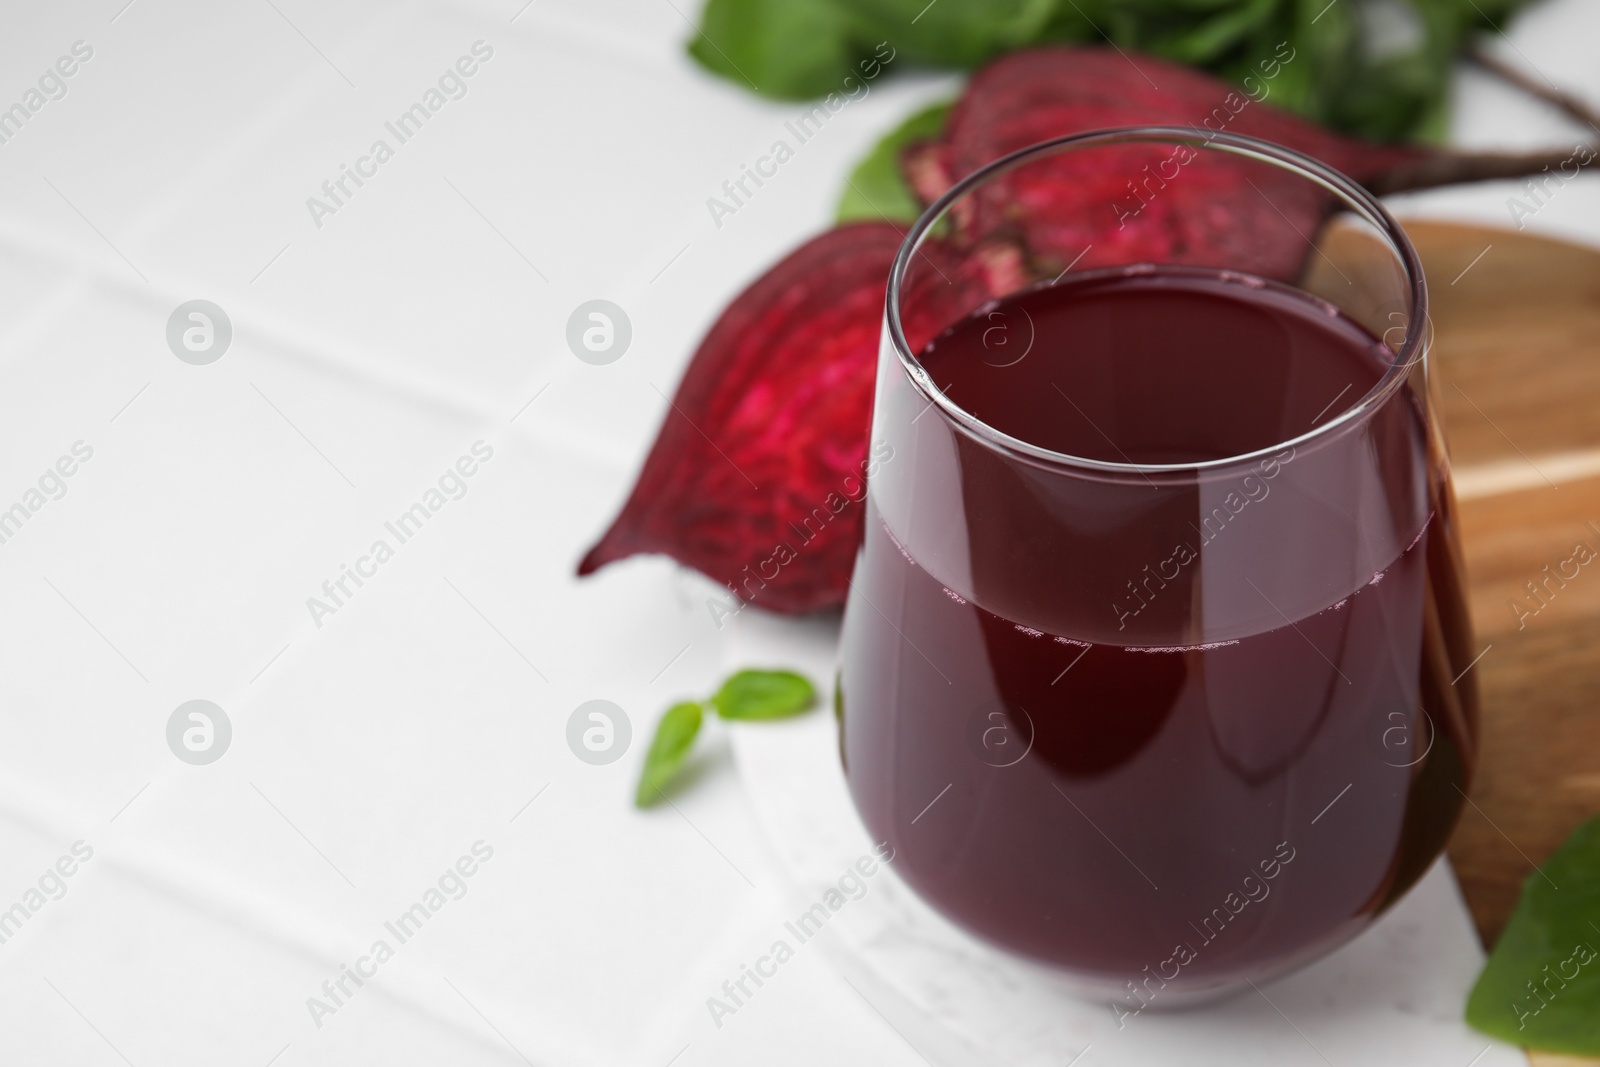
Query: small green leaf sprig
[{"x": 747, "y": 696}]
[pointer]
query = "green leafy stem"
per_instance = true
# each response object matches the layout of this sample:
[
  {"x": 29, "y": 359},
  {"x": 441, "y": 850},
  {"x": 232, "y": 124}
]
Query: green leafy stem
[{"x": 1377, "y": 68}]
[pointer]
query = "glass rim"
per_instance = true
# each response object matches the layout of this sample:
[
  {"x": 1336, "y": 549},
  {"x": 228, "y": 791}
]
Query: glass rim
[{"x": 1413, "y": 349}]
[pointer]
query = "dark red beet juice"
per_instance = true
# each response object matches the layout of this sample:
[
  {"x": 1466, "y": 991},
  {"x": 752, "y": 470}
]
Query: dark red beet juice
[{"x": 1169, "y": 729}]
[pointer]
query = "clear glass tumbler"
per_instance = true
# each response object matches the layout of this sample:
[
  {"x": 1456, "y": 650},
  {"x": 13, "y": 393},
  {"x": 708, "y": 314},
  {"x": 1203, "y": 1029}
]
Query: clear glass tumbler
[{"x": 1155, "y": 658}]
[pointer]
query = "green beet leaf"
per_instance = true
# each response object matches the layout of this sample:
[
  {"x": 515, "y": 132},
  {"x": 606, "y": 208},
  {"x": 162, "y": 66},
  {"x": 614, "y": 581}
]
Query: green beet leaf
[
  {"x": 877, "y": 189},
  {"x": 787, "y": 49},
  {"x": 1380, "y": 70},
  {"x": 755, "y": 695},
  {"x": 953, "y": 33},
  {"x": 675, "y": 735},
  {"x": 1202, "y": 34},
  {"x": 1541, "y": 987}
]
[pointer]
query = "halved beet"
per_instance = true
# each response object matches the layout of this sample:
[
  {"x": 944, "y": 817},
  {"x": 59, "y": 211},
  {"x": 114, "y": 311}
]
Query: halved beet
[
  {"x": 1135, "y": 203},
  {"x": 756, "y": 476}
]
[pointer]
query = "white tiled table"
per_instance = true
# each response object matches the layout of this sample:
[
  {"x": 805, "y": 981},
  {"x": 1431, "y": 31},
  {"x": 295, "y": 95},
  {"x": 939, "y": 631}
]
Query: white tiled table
[{"x": 371, "y": 751}]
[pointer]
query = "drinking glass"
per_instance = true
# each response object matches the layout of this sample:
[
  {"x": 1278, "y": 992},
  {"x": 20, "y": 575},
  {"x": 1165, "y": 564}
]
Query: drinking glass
[{"x": 1167, "y": 718}]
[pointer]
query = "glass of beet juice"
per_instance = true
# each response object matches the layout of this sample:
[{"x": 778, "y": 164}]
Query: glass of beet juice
[{"x": 1156, "y": 658}]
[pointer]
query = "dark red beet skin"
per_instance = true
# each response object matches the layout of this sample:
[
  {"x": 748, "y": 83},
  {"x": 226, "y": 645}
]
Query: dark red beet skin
[
  {"x": 1188, "y": 214},
  {"x": 757, "y": 475},
  {"x": 1040, "y": 93},
  {"x": 770, "y": 419}
]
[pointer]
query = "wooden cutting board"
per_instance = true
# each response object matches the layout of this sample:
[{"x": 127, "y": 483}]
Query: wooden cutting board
[{"x": 1517, "y": 354}]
